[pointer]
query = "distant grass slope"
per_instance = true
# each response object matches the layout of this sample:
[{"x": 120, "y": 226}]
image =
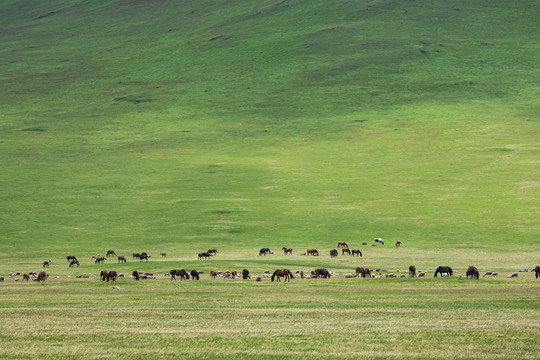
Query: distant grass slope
[{"x": 240, "y": 124}]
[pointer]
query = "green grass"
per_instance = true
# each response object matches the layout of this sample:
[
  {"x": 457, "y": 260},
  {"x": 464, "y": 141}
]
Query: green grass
[{"x": 178, "y": 126}]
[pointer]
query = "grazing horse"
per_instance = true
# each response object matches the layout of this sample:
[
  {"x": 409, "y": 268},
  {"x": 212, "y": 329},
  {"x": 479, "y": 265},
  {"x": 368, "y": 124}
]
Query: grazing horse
[
  {"x": 537, "y": 271},
  {"x": 121, "y": 259},
  {"x": 74, "y": 262},
  {"x": 46, "y": 263},
  {"x": 264, "y": 251},
  {"x": 213, "y": 274},
  {"x": 379, "y": 241},
  {"x": 136, "y": 255},
  {"x": 412, "y": 271},
  {"x": 333, "y": 253},
  {"x": 70, "y": 258},
  {"x": 103, "y": 275},
  {"x": 321, "y": 273},
  {"x": 181, "y": 273},
  {"x": 42, "y": 276},
  {"x": 25, "y": 277},
  {"x": 212, "y": 251},
  {"x": 163, "y": 254},
  {"x": 204, "y": 256},
  {"x": 99, "y": 260},
  {"x": 472, "y": 272},
  {"x": 398, "y": 243},
  {"x": 111, "y": 253},
  {"x": 342, "y": 243},
  {"x": 279, "y": 273},
  {"x": 313, "y": 252},
  {"x": 245, "y": 274},
  {"x": 1, "y": 279},
  {"x": 144, "y": 256},
  {"x": 112, "y": 275},
  {"x": 287, "y": 250},
  {"x": 345, "y": 251},
  {"x": 356, "y": 252},
  {"x": 364, "y": 272},
  {"x": 444, "y": 270},
  {"x": 194, "y": 274},
  {"x": 135, "y": 275}
]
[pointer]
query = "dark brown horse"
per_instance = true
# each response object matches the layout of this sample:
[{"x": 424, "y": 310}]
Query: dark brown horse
[
  {"x": 144, "y": 256},
  {"x": 136, "y": 255},
  {"x": 42, "y": 276},
  {"x": 345, "y": 251},
  {"x": 25, "y": 277},
  {"x": 46, "y": 263},
  {"x": 121, "y": 259},
  {"x": 74, "y": 262},
  {"x": 321, "y": 273},
  {"x": 204, "y": 256},
  {"x": 163, "y": 254},
  {"x": 472, "y": 272},
  {"x": 398, "y": 243},
  {"x": 342, "y": 243},
  {"x": 333, "y": 253},
  {"x": 444, "y": 270},
  {"x": 112, "y": 275},
  {"x": 279, "y": 273},
  {"x": 313, "y": 252},
  {"x": 194, "y": 274},
  {"x": 287, "y": 250},
  {"x": 70, "y": 258},
  {"x": 364, "y": 272},
  {"x": 111, "y": 253},
  {"x": 537, "y": 271},
  {"x": 103, "y": 275},
  {"x": 356, "y": 252},
  {"x": 412, "y": 271},
  {"x": 213, "y": 274},
  {"x": 212, "y": 251},
  {"x": 180, "y": 273},
  {"x": 99, "y": 260}
]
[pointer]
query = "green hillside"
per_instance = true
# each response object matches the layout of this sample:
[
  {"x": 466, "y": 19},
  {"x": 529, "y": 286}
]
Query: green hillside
[{"x": 183, "y": 125}]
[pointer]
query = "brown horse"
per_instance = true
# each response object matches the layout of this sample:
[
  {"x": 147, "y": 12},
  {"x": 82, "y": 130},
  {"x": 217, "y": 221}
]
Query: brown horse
[
  {"x": 183, "y": 274},
  {"x": 398, "y": 243},
  {"x": 46, "y": 263},
  {"x": 333, "y": 253},
  {"x": 1, "y": 279},
  {"x": 287, "y": 250},
  {"x": 472, "y": 272},
  {"x": 103, "y": 275},
  {"x": 111, "y": 253},
  {"x": 136, "y": 255},
  {"x": 25, "y": 277},
  {"x": 356, "y": 252},
  {"x": 144, "y": 256},
  {"x": 321, "y": 273},
  {"x": 212, "y": 251},
  {"x": 537, "y": 271},
  {"x": 99, "y": 260},
  {"x": 112, "y": 275},
  {"x": 42, "y": 276},
  {"x": 121, "y": 259},
  {"x": 279, "y": 273},
  {"x": 342, "y": 243},
  {"x": 74, "y": 262},
  {"x": 70, "y": 258},
  {"x": 313, "y": 252},
  {"x": 213, "y": 274},
  {"x": 163, "y": 254},
  {"x": 345, "y": 251},
  {"x": 364, "y": 272},
  {"x": 412, "y": 271}
]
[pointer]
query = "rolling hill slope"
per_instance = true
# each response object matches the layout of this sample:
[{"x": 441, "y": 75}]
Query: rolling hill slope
[{"x": 241, "y": 124}]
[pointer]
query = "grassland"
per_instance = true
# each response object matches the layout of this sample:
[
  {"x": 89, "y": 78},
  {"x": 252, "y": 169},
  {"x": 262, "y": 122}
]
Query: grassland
[{"x": 178, "y": 126}]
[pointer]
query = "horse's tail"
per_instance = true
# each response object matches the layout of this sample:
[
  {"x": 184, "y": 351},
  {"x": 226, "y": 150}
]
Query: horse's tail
[{"x": 274, "y": 275}]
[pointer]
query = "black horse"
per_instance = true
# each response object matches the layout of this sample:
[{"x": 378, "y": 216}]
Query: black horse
[
  {"x": 135, "y": 275},
  {"x": 412, "y": 271},
  {"x": 204, "y": 256},
  {"x": 194, "y": 274},
  {"x": 74, "y": 262},
  {"x": 537, "y": 271},
  {"x": 264, "y": 251},
  {"x": 245, "y": 274},
  {"x": 333, "y": 253},
  {"x": 444, "y": 270},
  {"x": 472, "y": 272},
  {"x": 321, "y": 273}
]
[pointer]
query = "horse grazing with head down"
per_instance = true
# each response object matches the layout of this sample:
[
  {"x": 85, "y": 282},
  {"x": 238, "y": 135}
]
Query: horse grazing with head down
[
  {"x": 121, "y": 259},
  {"x": 42, "y": 276},
  {"x": 135, "y": 275},
  {"x": 472, "y": 272},
  {"x": 333, "y": 253},
  {"x": 25, "y": 277},
  {"x": 279, "y": 273},
  {"x": 342, "y": 243},
  {"x": 99, "y": 260},
  {"x": 74, "y": 262},
  {"x": 111, "y": 253},
  {"x": 321, "y": 273},
  {"x": 194, "y": 274},
  {"x": 180, "y": 273},
  {"x": 313, "y": 252},
  {"x": 356, "y": 252},
  {"x": 444, "y": 270},
  {"x": 364, "y": 272},
  {"x": 112, "y": 275},
  {"x": 70, "y": 258},
  {"x": 212, "y": 251},
  {"x": 245, "y": 274},
  {"x": 412, "y": 271},
  {"x": 287, "y": 250},
  {"x": 537, "y": 271},
  {"x": 345, "y": 251},
  {"x": 103, "y": 275}
]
